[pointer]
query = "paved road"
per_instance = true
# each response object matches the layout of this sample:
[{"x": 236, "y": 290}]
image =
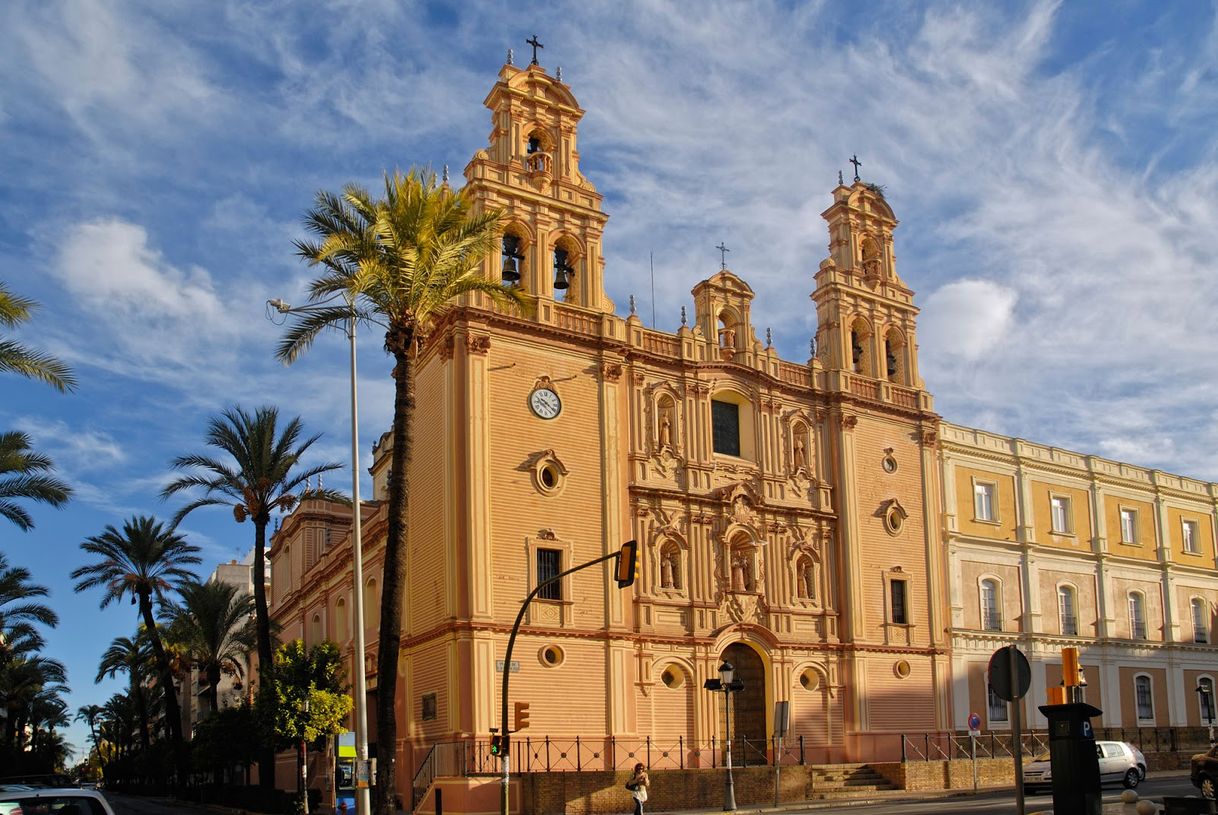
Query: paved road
[{"x": 133, "y": 805}]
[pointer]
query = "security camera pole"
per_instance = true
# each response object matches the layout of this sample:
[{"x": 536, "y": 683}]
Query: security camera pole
[{"x": 626, "y": 572}]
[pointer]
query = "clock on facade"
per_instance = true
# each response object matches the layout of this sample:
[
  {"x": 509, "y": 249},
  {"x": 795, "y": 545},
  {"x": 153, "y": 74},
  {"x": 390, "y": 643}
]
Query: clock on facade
[{"x": 545, "y": 403}]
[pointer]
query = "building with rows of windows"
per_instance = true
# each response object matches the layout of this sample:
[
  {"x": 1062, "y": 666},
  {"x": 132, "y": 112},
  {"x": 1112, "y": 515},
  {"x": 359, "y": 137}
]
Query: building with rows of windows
[{"x": 814, "y": 522}]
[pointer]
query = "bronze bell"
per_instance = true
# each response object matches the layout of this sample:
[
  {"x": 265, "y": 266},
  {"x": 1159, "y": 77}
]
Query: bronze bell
[
  {"x": 562, "y": 270},
  {"x": 510, "y": 273}
]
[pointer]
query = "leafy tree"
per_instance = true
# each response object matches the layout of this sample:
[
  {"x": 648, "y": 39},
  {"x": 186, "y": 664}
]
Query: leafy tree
[
  {"x": 229, "y": 738},
  {"x": 144, "y": 560},
  {"x": 257, "y": 475},
  {"x": 214, "y": 623},
  {"x": 405, "y": 259},
  {"x": 18, "y": 359},
  {"x": 23, "y": 476}
]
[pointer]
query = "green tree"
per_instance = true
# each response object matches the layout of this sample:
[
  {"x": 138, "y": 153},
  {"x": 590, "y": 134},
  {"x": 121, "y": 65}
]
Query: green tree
[
  {"x": 144, "y": 561},
  {"x": 403, "y": 260},
  {"x": 21, "y": 360},
  {"x": 23, "y": 476},
  {"x": 257, "y": 475},
  {"x": 132, "y": 657},
  {"x": 311, "y": 696},
  {"x": 214, "y": 623},
  {"x": 89, "y": 715}
]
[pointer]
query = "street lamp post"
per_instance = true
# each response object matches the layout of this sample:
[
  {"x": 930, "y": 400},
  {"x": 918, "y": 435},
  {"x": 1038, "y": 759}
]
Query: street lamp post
[
  {"x": 304, "y": 757},
  {"x": 363, "y": 775},
  {"x": 1207, "y": 708},
  {"x": 728, "y": 684}
]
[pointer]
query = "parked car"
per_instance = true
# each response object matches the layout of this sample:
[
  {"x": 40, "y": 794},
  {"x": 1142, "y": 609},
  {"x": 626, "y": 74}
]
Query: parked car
[
  {"x": 1119, "y": 761},
  {"x": 1204, "y": 772},
  {"x": 59, "y": 801}
]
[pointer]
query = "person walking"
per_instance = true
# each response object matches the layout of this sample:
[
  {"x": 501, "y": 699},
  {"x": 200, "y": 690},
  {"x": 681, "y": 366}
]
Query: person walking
[{"x": 638, "y": 784}]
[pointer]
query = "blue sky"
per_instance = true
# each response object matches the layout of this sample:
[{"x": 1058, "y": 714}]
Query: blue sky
[{"x": 1054, "y": 168}]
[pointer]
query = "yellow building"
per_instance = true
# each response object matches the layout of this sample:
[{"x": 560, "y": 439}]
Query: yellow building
[
  {"x": 1049, "y": 548},
  {"x": 786, "y": 511}
]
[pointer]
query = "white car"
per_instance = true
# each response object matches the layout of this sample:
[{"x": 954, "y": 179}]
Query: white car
[
  {"x": 64, "y": 801},
  {"x": 1119, "y": 761}
]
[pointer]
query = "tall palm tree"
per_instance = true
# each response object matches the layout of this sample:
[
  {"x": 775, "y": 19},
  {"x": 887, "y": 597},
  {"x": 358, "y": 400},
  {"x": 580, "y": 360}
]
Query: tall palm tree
[
  {"x": 131, "y": 656},
  {"x": 24, "y": 684},
  {"x": 23, "y": 475},
  {"x": 144, "y": 560},
  {"x": 17, "y": 613},
  {"x": 89, "y": 715},
  {"x": 17, "y": 358},
  {"x": 257, "y": 475},
  {"x": 407, "y": 259},
  {"x": 215, "y": 624}
]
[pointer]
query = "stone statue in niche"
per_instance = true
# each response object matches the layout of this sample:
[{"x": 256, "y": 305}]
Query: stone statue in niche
[
  {"x": 727, "y": 337},
  {"x": 665, "y": 427},
  {"x": 801, "y": 460},
  {"x": 741, "y": 579},
  {"x": 667, "y": 570},
  {"x": 807, "y": 579}
]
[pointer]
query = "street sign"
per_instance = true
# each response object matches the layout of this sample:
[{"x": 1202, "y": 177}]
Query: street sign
[
  {"x": 1000, "y": 674},
  {"x": 499, "y": 666},
  {"x": 974, "y": 721}
]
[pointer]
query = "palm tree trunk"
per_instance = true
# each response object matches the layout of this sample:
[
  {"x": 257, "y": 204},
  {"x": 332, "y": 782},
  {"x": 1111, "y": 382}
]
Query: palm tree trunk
[
  {"x": 173, "y": 713},
  {"x": 393, "y": 580},
  {"x": 141, "y": 708},
  {"x": 213, "y": 689},
  {"x": 266, "y": 658}
]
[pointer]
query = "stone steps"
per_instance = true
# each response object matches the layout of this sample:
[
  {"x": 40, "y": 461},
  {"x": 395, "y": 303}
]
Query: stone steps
[{"x": 847, "y": 780}]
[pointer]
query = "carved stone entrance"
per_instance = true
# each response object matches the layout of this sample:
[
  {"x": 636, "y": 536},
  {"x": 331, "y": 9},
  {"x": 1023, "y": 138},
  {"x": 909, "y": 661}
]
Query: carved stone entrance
[{"x": 748, "y": 706}]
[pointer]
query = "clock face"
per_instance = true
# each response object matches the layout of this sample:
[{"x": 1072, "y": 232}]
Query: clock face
[{"x": 545, "y": 403}]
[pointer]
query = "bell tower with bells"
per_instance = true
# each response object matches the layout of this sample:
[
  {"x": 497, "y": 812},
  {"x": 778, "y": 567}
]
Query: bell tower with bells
[
  {"x": 865, "y": 312},
  {"x": 551, "y": 245}
]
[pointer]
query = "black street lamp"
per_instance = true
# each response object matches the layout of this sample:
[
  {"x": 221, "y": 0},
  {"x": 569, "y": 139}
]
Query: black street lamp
[
  {"x": 728, "y": 684},
  {"x": 1205, "y": 692},
  {"x": 304, "y": 757}
]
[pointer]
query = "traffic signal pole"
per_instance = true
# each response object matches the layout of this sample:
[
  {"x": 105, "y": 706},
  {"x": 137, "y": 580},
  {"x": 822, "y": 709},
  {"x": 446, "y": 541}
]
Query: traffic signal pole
[{"x": 631, "y": 551}]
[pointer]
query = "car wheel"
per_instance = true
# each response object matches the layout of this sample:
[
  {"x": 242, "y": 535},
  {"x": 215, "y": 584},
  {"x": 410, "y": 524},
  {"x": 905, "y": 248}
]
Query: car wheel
[
  {"x": 1207, "y": 787},
  {"x": 1132, "y": 778}
]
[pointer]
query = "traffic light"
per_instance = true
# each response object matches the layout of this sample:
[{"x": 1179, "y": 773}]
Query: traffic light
[
  {"x": 628, "y": 564},
  {"x": 522, "y": 715},
  {"x": 500, "y": 745}
]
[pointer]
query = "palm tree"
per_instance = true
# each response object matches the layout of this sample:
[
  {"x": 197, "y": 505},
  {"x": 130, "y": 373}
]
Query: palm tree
[
  {"x": 405, "y": 259},
  {"x": 144, "y": 560},
  {"x": 17, "y": 358},
  {"x": 131, "y": 657},
  {"x": 89, "y": 715},
  {"x": 25, "y": 683},
  {"x": 215, "y": 624},
  {"x": 261, "y": 468},
  {"x": 22, "y": 475},
  {"x": 17, "y": 613}
]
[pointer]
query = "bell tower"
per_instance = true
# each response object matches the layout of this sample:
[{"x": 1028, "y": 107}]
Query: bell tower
[
  {"x": 865, "y": 312},
  {"x": 553, "y": 226}
]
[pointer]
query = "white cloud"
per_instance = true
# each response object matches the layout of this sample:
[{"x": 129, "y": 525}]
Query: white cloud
[
  {"x": 967, "y": 319},
  {"x": 76, "y": 449}
]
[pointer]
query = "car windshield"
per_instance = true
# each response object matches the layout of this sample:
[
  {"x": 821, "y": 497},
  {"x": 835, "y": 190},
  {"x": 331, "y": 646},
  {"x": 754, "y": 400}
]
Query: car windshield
[{"x": 58, "y": 805}]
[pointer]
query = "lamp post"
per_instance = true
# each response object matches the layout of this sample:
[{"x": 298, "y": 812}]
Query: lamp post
[
  {"x": 1207, "y": 708},
  {"x": 728, "y": 684},
  {"x": 304, "y": 757},
  {"x": 363, "y": 801}
]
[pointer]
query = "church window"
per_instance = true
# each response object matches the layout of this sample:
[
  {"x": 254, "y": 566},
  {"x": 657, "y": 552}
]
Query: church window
[
  {"x": 898, "y": 602},
  {"x": 1137, "y": 615},
  {"x": 549, "y": 564},
  {"x": 551, "y": 656},
  {"x": 983, "y": 501},
  {"x": 430, "y": 709},
  {"x": 513, "y": 259},
  {"x": 673, "y": 677},
  {"x": 1200, "y": 613},
  {"x": 1188, "y": 531},
  {"x": 1059, "y": 512},
  {"x": 725, "y": 425},
  {"x": 1144, "y": 697},
  {"x": 809, "y": 679},
  {"x": 1129, "y": 526},
  {"x": 991, "y": 613},
  {"x": 1067, "y": 611}
]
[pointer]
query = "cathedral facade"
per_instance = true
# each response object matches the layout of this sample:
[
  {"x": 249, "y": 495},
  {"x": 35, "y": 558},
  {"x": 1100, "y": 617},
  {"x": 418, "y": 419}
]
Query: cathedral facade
[{"x": 785, "y": 511}]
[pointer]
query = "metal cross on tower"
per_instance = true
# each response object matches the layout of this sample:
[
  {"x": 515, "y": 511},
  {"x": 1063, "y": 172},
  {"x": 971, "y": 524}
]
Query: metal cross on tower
[
  {"x": 533, "y": 42},
  {"x": 855, "y": 161},
  {"x": 723, "y": 250}
]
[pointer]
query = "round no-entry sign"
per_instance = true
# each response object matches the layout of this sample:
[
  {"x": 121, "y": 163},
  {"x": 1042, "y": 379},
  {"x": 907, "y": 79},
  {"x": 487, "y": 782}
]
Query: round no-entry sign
[
  {"x": 1000, "y": 673},
  {"x": 974, "y": 721}
]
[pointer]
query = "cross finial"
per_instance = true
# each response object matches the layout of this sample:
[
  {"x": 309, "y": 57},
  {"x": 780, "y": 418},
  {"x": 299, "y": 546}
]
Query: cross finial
[
  {"x": 533, "y": 42},
  {"x": 723, "y": 250},
  {"x": 855, "y": 161}
]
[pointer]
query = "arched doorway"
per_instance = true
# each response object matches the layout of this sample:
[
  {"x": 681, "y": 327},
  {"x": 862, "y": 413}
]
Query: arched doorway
[{"x": 748, "y": 705}]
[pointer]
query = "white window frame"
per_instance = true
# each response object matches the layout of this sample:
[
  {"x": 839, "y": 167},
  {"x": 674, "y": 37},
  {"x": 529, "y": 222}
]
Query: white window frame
[
  {"x": 1137, "y": 616},
  {"x": 1066, "y": 526},
  {"x": 1129, "y": 531},
  {"x": 1150, "y": 696},
  {"x": 1201, "y": 628},
  {"x": 988, "y": 489},
  {"x": 1072, "y": 591},
  {"x": 994, "y": 582},
  {"x": 1189, "y": 536}
]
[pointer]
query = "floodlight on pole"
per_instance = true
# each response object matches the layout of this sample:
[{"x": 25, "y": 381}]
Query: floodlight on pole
[{"x": 363, "y": 800}]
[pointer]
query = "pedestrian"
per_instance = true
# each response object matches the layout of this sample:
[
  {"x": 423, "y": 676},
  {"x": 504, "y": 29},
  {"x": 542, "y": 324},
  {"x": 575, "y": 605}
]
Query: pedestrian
[{"x": 638, "y": 784}]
